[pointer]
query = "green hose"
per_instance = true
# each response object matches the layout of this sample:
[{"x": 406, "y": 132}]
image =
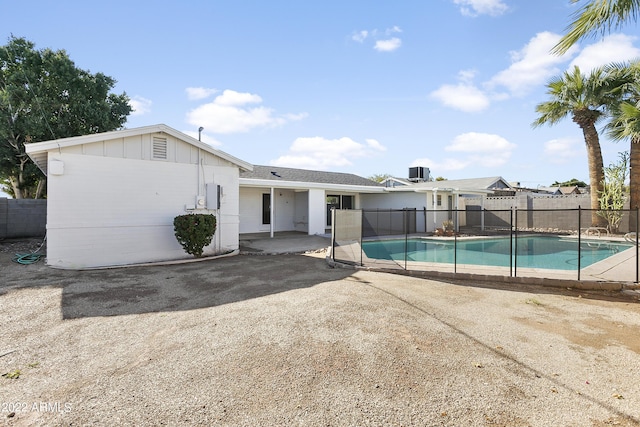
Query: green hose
[{"x": 26, "y": 259}]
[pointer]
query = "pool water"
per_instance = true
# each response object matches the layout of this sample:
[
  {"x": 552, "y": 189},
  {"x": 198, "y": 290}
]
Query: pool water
[{"x": 548, "y": 252}]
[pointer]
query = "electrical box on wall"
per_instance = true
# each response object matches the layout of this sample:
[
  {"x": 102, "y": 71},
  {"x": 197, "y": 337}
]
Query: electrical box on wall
[
  {"x": 214, "y": 194},
  {"x": 201, "y": 202},
  {"x": 56, "y": 167}
]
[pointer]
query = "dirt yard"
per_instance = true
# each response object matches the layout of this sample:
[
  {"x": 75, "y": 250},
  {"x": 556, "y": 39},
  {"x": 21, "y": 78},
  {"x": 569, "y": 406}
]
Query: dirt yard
[{"x": 286, "y": 340}]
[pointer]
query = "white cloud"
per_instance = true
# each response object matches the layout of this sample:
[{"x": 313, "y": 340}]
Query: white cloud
[
  {"x": 463, "y": 96},
  {"x": 322, "y": 153},
  {"x": 563, "y": 150},
  {"x": 196, "y": 93},
  {"x": 233, "y": 98},
  {"x": 479, "y": 149},
  {"x": 614, "y": 48},
  {"x": 206, "y": 138},
  {"x": 140, "y": 105},
  {"x": 381, "y": 39},
  {"x": 481, "y": 7},
  {"x": 229, "y": 113},
  {"x": 388, "y": 45},
  {"x": 360, "y": 36},
  {"x": 394, "y": 29},
  {"x": 532, "y": 65}
]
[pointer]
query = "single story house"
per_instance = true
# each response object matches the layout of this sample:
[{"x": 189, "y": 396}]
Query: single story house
[
  {"x": 274, "y": 198},
  {"x": 112, "y": 196}
]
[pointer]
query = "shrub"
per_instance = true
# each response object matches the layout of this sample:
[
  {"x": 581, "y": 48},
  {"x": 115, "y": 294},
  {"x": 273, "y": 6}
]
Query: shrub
[{"x": 194, "y": 231}]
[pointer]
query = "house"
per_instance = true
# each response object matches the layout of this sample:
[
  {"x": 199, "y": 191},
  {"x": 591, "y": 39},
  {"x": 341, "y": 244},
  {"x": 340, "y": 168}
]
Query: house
[
  {"x": 112, "y": 196},
  {"x": 274, "y": 198}
]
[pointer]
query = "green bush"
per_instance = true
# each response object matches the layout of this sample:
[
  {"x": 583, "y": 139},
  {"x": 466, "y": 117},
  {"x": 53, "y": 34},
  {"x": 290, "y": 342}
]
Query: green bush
[{"x": 194, "y": 231}]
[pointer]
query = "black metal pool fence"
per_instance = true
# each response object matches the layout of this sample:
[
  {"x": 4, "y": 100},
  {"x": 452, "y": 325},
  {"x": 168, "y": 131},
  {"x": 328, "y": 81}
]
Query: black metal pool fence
[{"x": 614, "y": 231}]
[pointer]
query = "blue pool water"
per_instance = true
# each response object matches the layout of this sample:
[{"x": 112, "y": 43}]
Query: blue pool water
[{"x": 548, "y": 252}]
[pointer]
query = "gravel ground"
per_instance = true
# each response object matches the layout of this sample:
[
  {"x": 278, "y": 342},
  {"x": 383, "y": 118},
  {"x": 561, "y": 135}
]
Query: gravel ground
[{"x": 286, "y": 340}]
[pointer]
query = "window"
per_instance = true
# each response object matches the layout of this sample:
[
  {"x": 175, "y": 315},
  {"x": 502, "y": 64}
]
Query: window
[
  {"x": 439, "y": 200},
  {"x": 159, "y": 148},
  {"x": 266, "y": 209}
]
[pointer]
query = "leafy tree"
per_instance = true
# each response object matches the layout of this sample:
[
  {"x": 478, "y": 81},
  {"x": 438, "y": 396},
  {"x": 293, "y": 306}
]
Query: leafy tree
[
  {"x": 570, "y": 183},
  {"x": 379, "y": 177},
  {"x": 44, "y": 96},
  {"x": 585, "y": 98},
  {"x": 613, "y": 197},
  {"x": 440, "y": 178},
  {"x": 597, "y": 15}
]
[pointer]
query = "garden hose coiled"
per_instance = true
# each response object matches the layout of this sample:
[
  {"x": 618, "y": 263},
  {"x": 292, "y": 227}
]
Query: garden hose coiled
[{"x": 26, "y": 259}]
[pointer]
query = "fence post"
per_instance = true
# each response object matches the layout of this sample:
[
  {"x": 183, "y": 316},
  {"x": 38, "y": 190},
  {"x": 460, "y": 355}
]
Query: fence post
[
  {"x": 361, "y": 232},
  {"x": 515, "y": 238},
  {"x": 511, "y": 243},
  {"x": 579, "y": 238},
  {"x": 455, "y": 252},
  {"x": 333, "y": 234},
  {"x": 406, "y": 236}
]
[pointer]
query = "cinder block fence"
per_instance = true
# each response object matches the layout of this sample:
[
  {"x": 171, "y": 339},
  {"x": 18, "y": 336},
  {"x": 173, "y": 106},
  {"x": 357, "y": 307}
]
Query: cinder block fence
[{"x": 22, "y": 218}]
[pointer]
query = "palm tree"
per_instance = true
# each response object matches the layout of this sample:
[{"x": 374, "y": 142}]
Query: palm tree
[
  {"x": 625, "y": 121},
  {"x": 594, "y": 16},
  {"x": 585, "y": 98}
]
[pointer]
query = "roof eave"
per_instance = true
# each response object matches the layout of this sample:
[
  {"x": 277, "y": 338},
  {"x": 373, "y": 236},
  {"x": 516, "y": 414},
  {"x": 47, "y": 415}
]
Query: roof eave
[{"x": 300, "y": 185}]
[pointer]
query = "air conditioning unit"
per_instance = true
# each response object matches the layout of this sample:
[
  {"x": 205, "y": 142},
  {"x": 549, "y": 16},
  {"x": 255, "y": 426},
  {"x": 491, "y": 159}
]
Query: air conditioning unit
[{"x": 419, "y": 173}]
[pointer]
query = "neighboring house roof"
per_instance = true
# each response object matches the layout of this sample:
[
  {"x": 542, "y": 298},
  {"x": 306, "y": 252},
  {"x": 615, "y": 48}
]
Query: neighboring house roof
[
  {"x": 393, "y": 181},
  {"x": 550, "y": 190},
  {"x": 268, "y": 176},
  {"x": 574, "y": 189},
  {"x": 38, "y": 150},
  {"x": 489, "y": 183}
]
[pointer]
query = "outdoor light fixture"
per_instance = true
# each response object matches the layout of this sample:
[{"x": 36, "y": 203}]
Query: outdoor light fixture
[{"x": 200, "y": 129}]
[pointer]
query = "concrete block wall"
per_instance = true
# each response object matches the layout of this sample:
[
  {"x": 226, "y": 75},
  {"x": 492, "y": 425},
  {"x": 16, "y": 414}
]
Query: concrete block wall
[{"x": 22, "y": 218}]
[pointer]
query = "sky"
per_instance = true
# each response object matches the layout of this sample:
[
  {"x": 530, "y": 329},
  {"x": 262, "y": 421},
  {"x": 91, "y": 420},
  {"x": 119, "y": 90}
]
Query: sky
[{"x": 346, "y": 86}]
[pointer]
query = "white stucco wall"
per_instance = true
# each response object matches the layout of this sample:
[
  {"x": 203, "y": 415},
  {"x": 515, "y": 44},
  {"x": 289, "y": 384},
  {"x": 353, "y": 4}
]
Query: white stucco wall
[
  {"x": 396, "y": 200},
  {"x": 317, "y": 211},
  {"x": 107, "y": 211},
  {"x": 412, "y": 200},
  {"x": 251, "y": 210},
  {"x": 301, "y": 215}
]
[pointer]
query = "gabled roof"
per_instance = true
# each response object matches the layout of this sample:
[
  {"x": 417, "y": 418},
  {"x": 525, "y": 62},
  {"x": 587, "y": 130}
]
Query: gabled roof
[
  {"x": 573, "y": 189},
  {"x": 38, "y": 150},
  {"x": 550, "y": 190},
  {"x": 276, "y": 173},
  {"x": 392, "y": 180},
  {"x": 489, "y": 183}
]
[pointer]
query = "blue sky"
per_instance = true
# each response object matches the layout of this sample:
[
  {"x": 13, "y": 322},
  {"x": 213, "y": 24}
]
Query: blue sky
[{"x": 348, "y": 86}]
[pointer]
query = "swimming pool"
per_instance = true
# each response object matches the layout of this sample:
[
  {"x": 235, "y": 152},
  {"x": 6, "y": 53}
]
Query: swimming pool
[{"x": 547, "y": 252}]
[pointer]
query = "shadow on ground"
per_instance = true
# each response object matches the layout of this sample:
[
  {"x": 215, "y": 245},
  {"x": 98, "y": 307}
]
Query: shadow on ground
[{"x": 136, "y": 290}]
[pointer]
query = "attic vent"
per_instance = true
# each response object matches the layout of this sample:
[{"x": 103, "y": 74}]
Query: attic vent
[{"x": 159, "y": 148}]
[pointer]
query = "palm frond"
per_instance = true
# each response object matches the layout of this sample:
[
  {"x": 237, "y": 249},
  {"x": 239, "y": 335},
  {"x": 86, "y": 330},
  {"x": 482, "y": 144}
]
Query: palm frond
[{"x": 597, "y": 15}]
